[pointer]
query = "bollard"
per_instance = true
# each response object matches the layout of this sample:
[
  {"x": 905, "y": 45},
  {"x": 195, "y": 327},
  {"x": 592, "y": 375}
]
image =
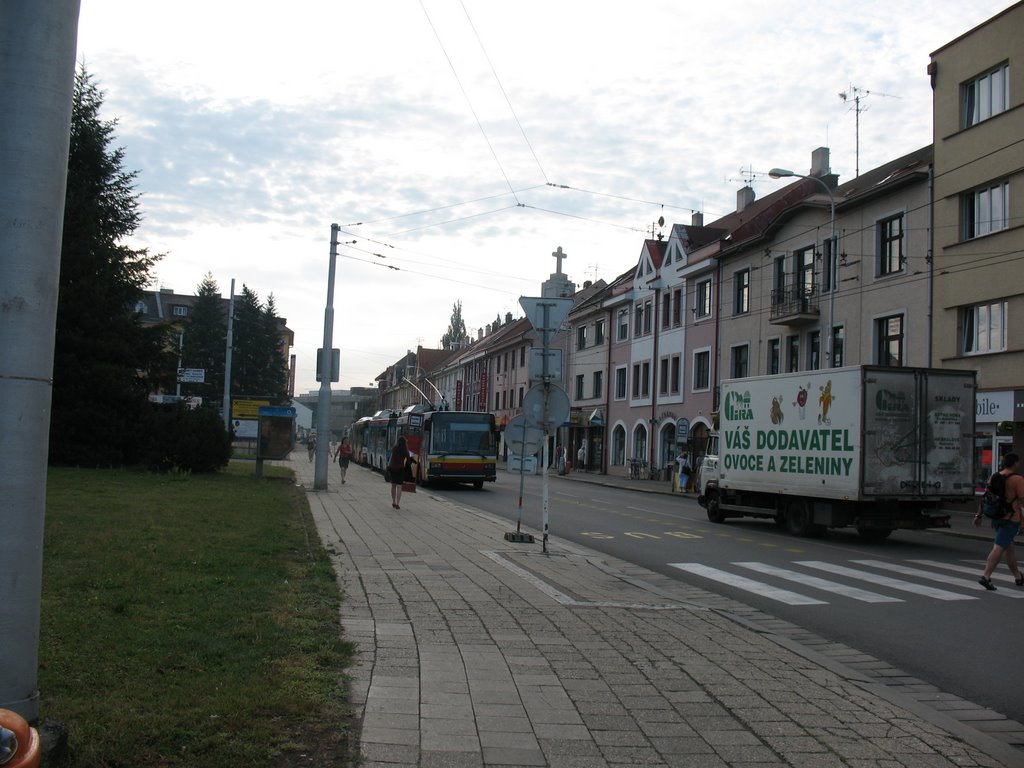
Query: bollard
[{"x": 19, "y": 743}]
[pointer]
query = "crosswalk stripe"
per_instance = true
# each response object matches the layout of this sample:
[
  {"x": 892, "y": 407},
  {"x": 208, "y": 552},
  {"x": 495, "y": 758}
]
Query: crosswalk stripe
[
  {"x": 748, "y": 585},
  {"x": 823, "y": 584},
  {"x": 974, "y": 571},
  {"x": 905, "y": 586}
]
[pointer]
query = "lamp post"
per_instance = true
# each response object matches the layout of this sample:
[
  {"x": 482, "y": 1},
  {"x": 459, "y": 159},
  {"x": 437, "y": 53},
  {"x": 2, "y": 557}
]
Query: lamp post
[{"x": 782, "y": 173}]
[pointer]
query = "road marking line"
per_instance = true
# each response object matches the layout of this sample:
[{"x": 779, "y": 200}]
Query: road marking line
[
  {"x": 885, "y": 581},
  {"x": 748, "y": 585},
  {"x": 823, "y": 584}
]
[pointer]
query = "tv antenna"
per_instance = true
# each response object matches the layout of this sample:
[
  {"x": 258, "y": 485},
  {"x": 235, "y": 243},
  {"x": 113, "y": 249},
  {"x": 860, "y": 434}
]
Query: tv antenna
[
  {"x": 857, "y": 95},
  {"x": 747, "y": 176}
]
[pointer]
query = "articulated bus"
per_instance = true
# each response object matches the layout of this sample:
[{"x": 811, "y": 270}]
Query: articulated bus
[{"x": 451, "y": 446}]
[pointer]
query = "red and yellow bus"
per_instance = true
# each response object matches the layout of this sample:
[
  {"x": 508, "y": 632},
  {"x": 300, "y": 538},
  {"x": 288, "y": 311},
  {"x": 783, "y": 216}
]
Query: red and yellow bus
[{"x": 451, "y": 446}]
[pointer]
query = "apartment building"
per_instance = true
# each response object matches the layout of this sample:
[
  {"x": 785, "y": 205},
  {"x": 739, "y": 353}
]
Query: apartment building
[{"x": 978, "y": 124}]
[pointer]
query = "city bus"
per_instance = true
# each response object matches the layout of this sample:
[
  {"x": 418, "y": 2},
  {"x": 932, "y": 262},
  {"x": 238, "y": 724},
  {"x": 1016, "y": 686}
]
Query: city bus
[{"x": 451, "y": 446}]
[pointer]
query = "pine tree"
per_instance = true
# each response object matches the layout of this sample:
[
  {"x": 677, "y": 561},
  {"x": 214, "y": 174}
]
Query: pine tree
[
  {"x": 205, "y": 340},
  {"x": 456, "y": 335},
  {"x": 258, "y": 365},
  {"x": 104, "y": 359}
]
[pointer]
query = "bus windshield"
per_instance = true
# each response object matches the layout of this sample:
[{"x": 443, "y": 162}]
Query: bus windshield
[{"x": 459, "y": 436}]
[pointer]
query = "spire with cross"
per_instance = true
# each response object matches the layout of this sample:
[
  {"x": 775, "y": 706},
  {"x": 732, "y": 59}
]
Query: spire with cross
[{"x": 558, "y": 284}]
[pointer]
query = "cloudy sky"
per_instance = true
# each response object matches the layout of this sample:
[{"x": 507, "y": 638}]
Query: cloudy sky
[{"x": 458, "y": 143}]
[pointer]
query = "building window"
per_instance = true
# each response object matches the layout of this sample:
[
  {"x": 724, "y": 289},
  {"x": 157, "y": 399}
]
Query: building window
[
  {"x": 619, "y": 445},
  {"x": 814, "y": 350},
  {"x": 648, "y": 317},
  {"x": 663, "y": 377},
  {"x": 598, "y": 383},
  {"x": 774, "y": 356},
  {"x": 522, "y": 356},
  {"x": 497, "y": 401},
  {"x": 792, "y": 354},
  {"x": 804, "y": 273},
  {"x": 645, "y": 380},
  {"x": 636, "y": 380},
  {"x": 986, "y": 210},
  {"x": 779, "y": 277},
  {"x": 521, "y": 396},
  {"x": 838, "y": 346},
  {"x": 599, "y": 333},
  {"x": 676, "y": 374},
  {"x": 623, "y": 324},
  {"x": 741, "y": 292},
  {"x": 702, "y": 304},
  {"x": 739, "y": 361},
  {"x": 889, "y": 332},
  {"x": 666, "y": 310},
  {"x": 891, "y": 257},
  {"x": 986, "y": 95},
  {"x": 579, "y": 386},
  {"x": 620, "y": 383},
  {"x": 179, "y": 310},
  {"x": 702, "y": 370},
  {"x": 581, "y": 337},
  {"x": 677, "y": 307},
  {"x": 984, "y": 328}
]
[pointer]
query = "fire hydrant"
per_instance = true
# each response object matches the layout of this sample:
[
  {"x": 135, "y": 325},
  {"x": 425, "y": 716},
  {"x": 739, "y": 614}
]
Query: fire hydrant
[{"x": 19, "y": 743}]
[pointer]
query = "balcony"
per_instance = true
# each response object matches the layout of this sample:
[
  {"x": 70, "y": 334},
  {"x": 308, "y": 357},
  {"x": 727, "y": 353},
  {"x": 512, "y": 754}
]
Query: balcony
[{"x": 794, "y": 306}]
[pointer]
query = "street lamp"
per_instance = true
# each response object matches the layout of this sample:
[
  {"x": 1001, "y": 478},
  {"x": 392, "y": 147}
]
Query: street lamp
[{"x": 782, "y": 173}]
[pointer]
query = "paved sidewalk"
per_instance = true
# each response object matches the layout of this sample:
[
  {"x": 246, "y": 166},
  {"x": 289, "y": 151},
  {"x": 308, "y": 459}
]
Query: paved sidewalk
[{"x": 474, "y": 651}]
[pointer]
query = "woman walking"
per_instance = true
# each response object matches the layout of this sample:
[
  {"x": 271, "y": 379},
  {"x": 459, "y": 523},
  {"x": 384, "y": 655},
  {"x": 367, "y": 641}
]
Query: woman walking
[
  {"x": 398, "y": 465},
  {"x": 344, "y": 456}
]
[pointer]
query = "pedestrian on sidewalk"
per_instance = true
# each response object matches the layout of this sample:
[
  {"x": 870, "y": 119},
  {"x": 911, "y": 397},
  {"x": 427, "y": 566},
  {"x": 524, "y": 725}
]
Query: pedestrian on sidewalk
[
  {"x": 344, "y": 456},
  {"x": 399, "y": 467},
  {"x": 1008, "y": 527},
  {"x": 311, "y": 446}
]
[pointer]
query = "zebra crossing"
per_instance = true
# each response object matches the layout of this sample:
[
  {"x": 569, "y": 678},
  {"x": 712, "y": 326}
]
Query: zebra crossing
[{"x": 896, "y": 580}]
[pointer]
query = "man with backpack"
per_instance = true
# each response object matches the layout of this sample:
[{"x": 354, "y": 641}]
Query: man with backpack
[{"x": 1006, "y": 518}]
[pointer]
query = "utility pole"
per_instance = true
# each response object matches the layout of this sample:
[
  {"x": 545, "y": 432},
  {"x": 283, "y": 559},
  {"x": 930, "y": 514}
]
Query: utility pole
[
  {"x": 323, "y": 407},
  {"x": 37, "y": 81}
]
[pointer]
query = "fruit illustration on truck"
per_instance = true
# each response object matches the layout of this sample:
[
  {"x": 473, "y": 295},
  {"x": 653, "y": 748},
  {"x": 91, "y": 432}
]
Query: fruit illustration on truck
[{"x": 872, "y": 447}]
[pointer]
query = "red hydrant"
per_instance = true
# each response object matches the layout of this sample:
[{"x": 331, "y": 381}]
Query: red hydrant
[{"x": 19, "y": 743}]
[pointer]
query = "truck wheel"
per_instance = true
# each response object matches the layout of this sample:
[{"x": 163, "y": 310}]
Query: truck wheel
[
  {"x": 478, "y": 484},
  {"x": 874, "y": 534},
  {"x": 715, "y": 509},
  {"x": 798, "y": 519}
]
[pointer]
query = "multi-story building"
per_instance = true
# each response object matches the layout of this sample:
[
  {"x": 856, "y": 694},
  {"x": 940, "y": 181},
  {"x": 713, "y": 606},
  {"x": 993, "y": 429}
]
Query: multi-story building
[{"x": 978, "y": 285}]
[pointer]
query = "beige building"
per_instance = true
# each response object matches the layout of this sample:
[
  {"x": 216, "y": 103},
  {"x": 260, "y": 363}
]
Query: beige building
[{"x": 978, "y": 302}]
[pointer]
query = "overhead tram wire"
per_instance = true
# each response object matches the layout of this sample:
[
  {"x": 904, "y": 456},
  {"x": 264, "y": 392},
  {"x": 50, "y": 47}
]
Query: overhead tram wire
[
  {"x": 503, "y": 93},
  {"x": 469, "y": 102},
  {"x": 442, "y": 207}
]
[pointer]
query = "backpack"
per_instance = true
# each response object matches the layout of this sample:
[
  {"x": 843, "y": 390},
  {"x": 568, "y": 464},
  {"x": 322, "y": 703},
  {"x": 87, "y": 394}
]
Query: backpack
[{"x": 993, "y": 503}]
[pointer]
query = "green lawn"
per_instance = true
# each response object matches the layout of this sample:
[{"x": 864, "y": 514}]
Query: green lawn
[{"x": 190, "y": 621}]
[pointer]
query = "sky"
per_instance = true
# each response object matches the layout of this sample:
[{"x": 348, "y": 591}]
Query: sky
[{"x": 459, "y": 143}]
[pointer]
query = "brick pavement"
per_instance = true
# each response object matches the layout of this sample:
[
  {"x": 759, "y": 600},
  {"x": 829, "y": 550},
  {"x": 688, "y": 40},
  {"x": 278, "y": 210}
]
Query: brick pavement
[{"x": 474, "y": 651}]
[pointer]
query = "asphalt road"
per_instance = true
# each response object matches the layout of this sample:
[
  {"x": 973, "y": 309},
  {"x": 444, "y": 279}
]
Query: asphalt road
[{"x": 911, "y": 600}]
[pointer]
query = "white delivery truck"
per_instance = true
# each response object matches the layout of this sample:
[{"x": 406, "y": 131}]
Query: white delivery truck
[{"x": 866, "y": 446}]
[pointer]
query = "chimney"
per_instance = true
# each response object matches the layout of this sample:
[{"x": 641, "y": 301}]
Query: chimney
[
  {"x": 479, "y": 333},
  {"x": 819, "y": 162},
  {"x": 744, "y": 198},
  {"x": 487, "y": 332},
  {"x": 508, "y": 317},
  {"x": 587, "y": 284},
  {"x": 697, "y": 219}
]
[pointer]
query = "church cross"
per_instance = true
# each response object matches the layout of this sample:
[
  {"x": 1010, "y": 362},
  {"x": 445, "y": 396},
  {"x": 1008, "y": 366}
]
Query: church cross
[{"x": 558, "y": 257}]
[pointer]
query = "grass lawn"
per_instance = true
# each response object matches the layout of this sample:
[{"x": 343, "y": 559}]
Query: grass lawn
[{"x": 190, "y": 621}]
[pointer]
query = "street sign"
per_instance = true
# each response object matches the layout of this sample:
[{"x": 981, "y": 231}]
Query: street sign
[
  {"x": 545, "y": 314},
  {"x": 523, "y": 439},
  {"x": 557, "y": 410},
  {"x": 682, "y": 430},
  {"x": 554, "y": 358},
  {"x": 192, "y": 375}
]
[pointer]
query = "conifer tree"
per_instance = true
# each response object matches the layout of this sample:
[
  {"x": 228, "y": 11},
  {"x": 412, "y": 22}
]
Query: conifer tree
[
  {"x": 205, "y": 340},
  {"x": 456, "y": 335},
  {"x": 104, "y": 358}
]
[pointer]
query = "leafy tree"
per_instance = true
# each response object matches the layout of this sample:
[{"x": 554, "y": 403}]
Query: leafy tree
[
  {"x": 104, "y": 357},
  {"x": 205, "y": 340},
  {"x": 456, "y": 335}
]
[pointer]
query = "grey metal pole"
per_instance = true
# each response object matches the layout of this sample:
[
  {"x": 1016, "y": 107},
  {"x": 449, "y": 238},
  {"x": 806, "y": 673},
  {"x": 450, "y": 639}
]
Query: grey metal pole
[
  {"x": 37, "y": 75},
  {"x": 323, "y": 406},
  {"x": 227, "y": 357}
]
